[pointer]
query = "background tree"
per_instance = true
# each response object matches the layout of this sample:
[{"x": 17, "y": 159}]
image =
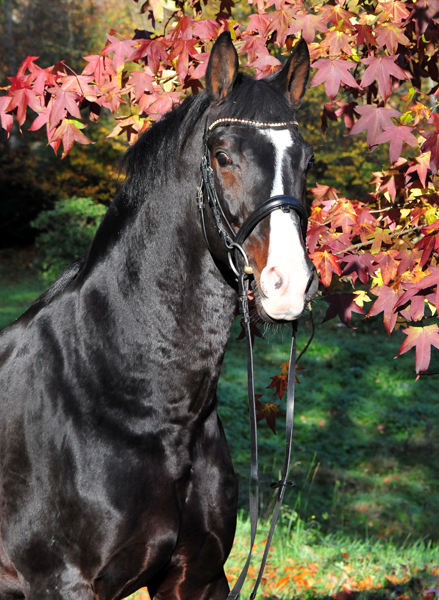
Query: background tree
[{"x": 377, "y": 61}]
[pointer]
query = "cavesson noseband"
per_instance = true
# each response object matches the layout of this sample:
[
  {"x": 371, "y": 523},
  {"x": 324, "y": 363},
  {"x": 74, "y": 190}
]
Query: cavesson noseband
[{"x": 239, "y": 263}]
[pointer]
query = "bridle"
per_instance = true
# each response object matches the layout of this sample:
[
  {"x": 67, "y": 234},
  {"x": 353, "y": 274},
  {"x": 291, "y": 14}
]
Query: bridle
[
  {"x": 207, "y": 195},
  {"x": 206, "y": 190}
]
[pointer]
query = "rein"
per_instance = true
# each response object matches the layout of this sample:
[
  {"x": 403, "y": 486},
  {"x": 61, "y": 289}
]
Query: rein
[{"x": 240, "y": 265}]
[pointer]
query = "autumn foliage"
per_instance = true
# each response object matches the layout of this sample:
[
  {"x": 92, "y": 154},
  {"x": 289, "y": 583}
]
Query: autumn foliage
[{"x": 377, "y": 61}]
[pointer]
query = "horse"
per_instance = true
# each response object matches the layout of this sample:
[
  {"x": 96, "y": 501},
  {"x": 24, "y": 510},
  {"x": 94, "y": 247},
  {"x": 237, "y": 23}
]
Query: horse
[{"x": 115, "y": 472}]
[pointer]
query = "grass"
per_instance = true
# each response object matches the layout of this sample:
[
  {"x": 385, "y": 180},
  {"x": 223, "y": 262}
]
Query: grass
[
  {"x": 20, "y": 283},
  {"x": 305, "y": 565},
  {"x": 362, "y": 520},
  {"x": 366, "y": 448}
]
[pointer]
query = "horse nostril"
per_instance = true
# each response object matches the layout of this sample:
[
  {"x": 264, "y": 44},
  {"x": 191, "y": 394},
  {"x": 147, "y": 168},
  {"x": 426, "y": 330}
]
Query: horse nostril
[{"x": 273, "y": 281}]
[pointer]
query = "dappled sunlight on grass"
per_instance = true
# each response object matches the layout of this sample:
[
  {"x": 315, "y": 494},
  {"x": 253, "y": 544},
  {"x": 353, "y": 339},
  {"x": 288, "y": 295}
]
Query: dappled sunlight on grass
[{"x": 371, "y": 428}]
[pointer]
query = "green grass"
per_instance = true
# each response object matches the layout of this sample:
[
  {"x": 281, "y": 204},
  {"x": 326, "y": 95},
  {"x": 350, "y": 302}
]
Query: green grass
[
  {"x": 304, "y": 564},
  {"x": 366, "y": 448},
  {"x": 20, "y": 283}
]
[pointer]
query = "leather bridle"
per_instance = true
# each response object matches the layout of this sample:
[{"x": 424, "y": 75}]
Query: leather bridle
[
  {"x": 206, "y": 194},
  {"x": 207, "y": 191}
]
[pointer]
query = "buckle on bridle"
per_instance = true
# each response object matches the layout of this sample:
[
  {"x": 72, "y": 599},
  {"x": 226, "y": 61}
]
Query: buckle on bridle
[{"x": 247, "y": 268}]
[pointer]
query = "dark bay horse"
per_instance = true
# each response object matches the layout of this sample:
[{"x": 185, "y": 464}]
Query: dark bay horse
[{"x": 115, "y": 473}]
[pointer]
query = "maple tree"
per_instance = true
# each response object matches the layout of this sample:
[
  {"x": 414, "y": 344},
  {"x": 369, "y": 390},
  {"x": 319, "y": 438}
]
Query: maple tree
[{"x": 377, "y": 63}]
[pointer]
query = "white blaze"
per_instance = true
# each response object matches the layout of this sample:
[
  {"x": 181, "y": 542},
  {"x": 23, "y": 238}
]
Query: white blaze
[{"x": 285, "y": 277}]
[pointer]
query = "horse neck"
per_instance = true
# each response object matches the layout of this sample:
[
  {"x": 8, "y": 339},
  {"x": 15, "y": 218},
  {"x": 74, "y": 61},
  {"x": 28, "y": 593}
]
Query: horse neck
[{"x": 153, "y": 277}]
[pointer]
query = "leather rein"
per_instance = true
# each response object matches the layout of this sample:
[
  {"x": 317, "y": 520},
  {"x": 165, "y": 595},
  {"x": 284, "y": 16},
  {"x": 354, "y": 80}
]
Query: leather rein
[{"x": 206, "y": 194}]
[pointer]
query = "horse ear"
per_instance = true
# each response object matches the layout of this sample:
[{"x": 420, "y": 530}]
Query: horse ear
[
  {"x": 293, "y": 77},
  {"x": 222, "y": 68}
]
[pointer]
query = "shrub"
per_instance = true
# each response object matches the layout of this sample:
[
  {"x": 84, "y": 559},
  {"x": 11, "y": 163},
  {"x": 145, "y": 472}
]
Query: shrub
[{"x": 66, "y": 233}]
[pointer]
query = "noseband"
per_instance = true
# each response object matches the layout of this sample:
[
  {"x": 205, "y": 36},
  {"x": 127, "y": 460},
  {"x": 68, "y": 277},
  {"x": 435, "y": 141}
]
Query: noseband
[{"x": 239, "y": 263}]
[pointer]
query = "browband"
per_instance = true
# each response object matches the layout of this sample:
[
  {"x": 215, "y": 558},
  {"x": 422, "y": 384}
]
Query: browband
[{"x": 232, "y": 121}]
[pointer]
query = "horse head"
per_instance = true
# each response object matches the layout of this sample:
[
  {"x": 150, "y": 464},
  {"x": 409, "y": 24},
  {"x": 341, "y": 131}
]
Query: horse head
[{"x": 257, "y": 162}]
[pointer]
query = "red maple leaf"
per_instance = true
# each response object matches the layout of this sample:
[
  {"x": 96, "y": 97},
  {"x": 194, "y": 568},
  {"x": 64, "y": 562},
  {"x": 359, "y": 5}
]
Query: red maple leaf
[
  {"x": 390, "y": 35},
  {"x": 20, "y": 100},
  {"x": 111, "y": 97},
  {"x": 254, "y": 332},
  {"x": 265, "y": 64},
  {"x": 258, "y": 23},
  {"x": 379, "y": 237},
  {"x": 386, "y": 302},
  {"x": 201, "y": 68},
  {"x": 253, "y": 45},
  {"x": 181, "y": 51},
  {"x": 6, "y": 119},
  {"x": 280, "y": 382},
  {"x": 422, "y": 338},
  {"x": 43, "y": 78},
  {"x": 429, "y": 242},
  {"x": 342, "y": 305},
  {"x": 388, "y": 265},
  {"x": 374, "y": 120},
  {"x": 65, "y": 102},
  {"x": 421, "y": 167},
  {"x": 100, "y": 67},
  {"x": 307, "y": 24},
  {"x": 205, "y": 29},
  {"x": 431, "y": 280},
  {"x": 314, "y": 234},
  {"x": 327, "y": 264},
  {"x": 335, "y": 13},
  {"x": 183, "y": 29},
  {"x": 267, "y": 411},
  {"x": 120, "y": 48},
  {"x": 358, "y": 266},
  {"x": 280, "y": 21},
  {"x": 346, "y": 110},
  {"x": 417, "y": 308},
  {"x": 364, "y": 35},
  {"x": 333, "y": 73},
  {"x": 28, "y": 64},
  {"x": 337, "y": 41},
  {"x": 69, "y": 132},
  {"x": 344, "y": 217},
  {"x": 142, "y": 82},
  {"x": 77, "y": 83},
  {"x": 396, "y": 135},
  {"x": 380, "y": 69},
  {"x": 154, "y": 51},
  {"x": 407, "y": 260},
  {"x": 323, "y": 192}
]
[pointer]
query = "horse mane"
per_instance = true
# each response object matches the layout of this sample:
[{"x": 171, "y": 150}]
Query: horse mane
[
  {"x": 162, "y": 141},
  {"x": 145, "y": 164}
]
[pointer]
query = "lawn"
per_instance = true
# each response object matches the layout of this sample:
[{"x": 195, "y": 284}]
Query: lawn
[{"x": 362, "y": 519}]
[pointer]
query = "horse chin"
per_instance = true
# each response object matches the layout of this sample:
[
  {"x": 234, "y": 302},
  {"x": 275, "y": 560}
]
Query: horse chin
[{"x": 269, "y": 315}]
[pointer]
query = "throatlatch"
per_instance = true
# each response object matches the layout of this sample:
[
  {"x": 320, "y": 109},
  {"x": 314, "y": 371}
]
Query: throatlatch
[{"x": 240, "y": 265}]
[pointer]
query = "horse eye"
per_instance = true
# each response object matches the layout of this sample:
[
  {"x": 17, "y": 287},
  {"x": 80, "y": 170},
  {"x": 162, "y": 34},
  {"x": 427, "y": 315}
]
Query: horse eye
[
  {"x": 223, "y": 159},
  {"x": 310, "y": 164}
]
